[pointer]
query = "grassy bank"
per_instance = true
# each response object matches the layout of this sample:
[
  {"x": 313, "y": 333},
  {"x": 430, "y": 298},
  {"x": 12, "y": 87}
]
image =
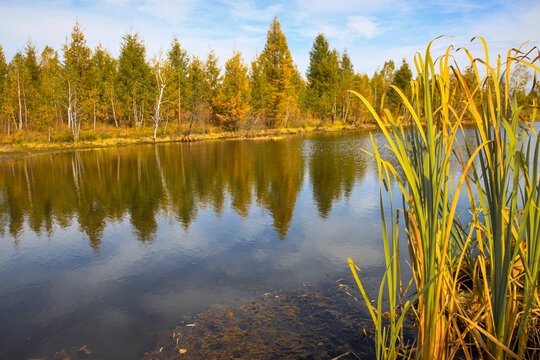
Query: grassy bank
[{"x": 18, "y": 144}]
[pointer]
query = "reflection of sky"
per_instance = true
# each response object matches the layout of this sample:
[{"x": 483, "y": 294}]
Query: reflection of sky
[{"x": 60, "y": 290}]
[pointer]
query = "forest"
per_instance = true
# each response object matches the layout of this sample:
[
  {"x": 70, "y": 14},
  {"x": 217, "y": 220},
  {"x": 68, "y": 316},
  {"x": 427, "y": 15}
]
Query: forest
[{"x": 80, "y": 93}]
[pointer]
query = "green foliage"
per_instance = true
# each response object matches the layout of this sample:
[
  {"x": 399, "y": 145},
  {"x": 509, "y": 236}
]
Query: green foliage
[
  {"x": 212, "y": 82},
  {"x": 402, "y": 80},
  {"x": 103, "y": 84},
  {"x": 177, "y": 92},
  {"x": 323, "y": 78},
  {"x": 49, "y": 91},
  {"x": 257, "y": 84},
  {"x": 135, "y": 81},
  {"x": 78, "y": 74}
]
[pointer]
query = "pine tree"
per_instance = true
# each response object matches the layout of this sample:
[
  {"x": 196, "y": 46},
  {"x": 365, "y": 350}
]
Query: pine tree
[
  {"x": 48, "y": 103},
  {"x": 196, "y": 81},
  {"x": 317, "y": 78},
  {"x": 135, "y": 80},
  {"x": 346, "y": 79},
  {"x": 402, "y": 80},
  {"x": 178, "y": 90},
  {"x": 234, "y": 102},
  {"x": 324, "y": 79},
  {"x": 278, "y": 69},
  {"x": 3, "y": 66},
  {"x": 77, "y": 75},
  {"x": 212, "y": 83},
  {"x": 257, "y": 85},
  {"x": 105, "y": 75}
]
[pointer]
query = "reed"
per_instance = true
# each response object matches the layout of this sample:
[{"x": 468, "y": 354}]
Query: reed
[{"x": 476, "y": 283}]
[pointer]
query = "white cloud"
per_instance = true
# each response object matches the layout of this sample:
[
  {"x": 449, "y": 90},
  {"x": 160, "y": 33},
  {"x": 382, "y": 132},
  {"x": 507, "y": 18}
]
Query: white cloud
[
  {"x": 371, "y": 31},
  {"x": 363, "y": 26}
]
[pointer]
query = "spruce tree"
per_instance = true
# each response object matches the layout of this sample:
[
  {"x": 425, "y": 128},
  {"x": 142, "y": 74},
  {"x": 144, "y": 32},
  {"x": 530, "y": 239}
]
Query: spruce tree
[
  {"x": 135, "y": 80},
  {"x": 77, "y": 75},
  {"x": 178, "y": 91},
  {"x": 257, "y": 86},
  {"x": 346, "y": 78},
  {"x": 48, "y": 103},
  {"x": 105, "y": 75},
  {"x": 402, "y": 80},
  {"x": 317, "y": 81},
  {"x": 196, "y": 81},
  {"x": 212, "y": 83},
  {"x": 323, "y": 78}
]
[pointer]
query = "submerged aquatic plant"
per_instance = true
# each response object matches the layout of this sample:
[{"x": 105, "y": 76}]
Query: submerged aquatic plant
[{"x": 476, "y": 283}]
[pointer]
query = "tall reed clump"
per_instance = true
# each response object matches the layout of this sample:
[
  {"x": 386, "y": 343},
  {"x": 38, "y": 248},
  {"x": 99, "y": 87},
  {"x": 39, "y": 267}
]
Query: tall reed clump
[{"x": 477, "y": 291}]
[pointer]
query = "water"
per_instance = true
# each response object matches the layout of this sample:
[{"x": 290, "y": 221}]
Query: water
[{"x": 107, "y": 247}]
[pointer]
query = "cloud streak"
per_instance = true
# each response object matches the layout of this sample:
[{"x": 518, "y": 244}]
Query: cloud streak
[{"x": 371, "y": 31}]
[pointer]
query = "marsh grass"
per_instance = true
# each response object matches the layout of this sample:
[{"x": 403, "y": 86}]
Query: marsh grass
[{"x": 475, "y": 284}]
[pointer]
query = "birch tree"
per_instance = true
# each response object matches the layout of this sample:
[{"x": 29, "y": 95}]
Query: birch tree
[
  {"x": 77, "y": 70},
  {"x": 160, "y": 67}
]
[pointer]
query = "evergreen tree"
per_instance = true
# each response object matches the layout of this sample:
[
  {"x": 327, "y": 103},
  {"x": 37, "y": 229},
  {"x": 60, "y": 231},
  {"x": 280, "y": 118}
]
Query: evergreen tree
[
  {"x": 31, "y": 64},
  {"x": 346, "y": 80},
  {"x": 178, "y": 90},
  {"x": 402, "y": 80},
  {"x": 196, "y": 80},
  {"x": 212, "y": 83},
  {"x": 3, "y": 66},
  {"x": 324, "y": 77},
  {"x": 77, "y": 74},
  {"x": 257, "y": 85},
  {"x": 317, "y": 77},
  {"x": 104, "y": 82},
  {"x": 135, "y": 80},
  {"x": 48, "y": 103},
  {"x": 332, "y": 69},
  {"x": 278, "y": 70}
]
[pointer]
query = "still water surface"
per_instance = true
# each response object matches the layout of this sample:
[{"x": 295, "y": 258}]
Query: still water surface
[{"x": 107, "y": 247}]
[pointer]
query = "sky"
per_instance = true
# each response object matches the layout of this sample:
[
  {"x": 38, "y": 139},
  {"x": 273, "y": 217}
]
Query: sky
[{"x": 371, "y": 31}]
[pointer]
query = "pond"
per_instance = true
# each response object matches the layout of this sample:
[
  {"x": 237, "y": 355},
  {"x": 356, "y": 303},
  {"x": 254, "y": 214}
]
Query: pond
[{"x": 109, "y": 247}]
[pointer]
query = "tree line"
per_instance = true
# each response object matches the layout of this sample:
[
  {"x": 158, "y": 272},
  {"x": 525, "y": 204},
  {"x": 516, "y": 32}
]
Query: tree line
[{"x": 59, "y": 94}]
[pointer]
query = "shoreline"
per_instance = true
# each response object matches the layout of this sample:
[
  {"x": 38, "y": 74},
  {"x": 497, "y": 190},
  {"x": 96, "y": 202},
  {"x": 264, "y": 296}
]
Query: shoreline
[{"x": 31, "y": 148}]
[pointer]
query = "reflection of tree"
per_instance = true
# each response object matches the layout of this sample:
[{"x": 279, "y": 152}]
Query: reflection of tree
[
  {"x": 334, "y": 168},
  {"x": 101, "y": 186},
  {"x": 279, "y": 177}
]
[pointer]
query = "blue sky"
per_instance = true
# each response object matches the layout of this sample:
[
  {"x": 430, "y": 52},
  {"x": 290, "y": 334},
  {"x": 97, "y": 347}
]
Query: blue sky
[{"x": 371, "y": 31}]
